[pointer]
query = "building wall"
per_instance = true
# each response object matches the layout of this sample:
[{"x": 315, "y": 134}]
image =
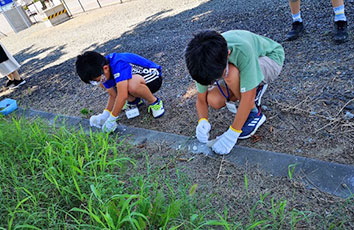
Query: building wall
[{"x": 5, "y": 27}]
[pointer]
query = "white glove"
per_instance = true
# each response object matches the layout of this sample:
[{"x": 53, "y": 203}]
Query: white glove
[
  {"x": 100, "y": 119},
  {"x": 224, "y": 143},
  {"x": 202, "y": 130},
  {"x": 110, "y": 125}
]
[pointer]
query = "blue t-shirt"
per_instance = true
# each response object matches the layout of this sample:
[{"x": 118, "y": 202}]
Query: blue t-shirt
[{"x": 124, "y": 65}]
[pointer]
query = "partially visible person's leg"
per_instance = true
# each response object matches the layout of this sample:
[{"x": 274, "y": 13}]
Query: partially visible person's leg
[
  {"x": 10, "y": 77},
  {"x": 295, "y": 9},
  {"x": 340, "y": 22},
  {"x": 297, "y": 25},
  {"x": 16, "y": 78},
  {"x": 15, "y": 75},
  {"x": 10, "y": 82}
]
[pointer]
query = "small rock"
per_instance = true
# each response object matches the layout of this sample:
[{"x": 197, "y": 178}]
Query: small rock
[
  {"x": 195, "y": 148},
  {"x": 312, "y": 113},
  {"x": 266, "y": 108},
  {"x": 349, "y": 107},
  {"x": 348, "y": 115}
]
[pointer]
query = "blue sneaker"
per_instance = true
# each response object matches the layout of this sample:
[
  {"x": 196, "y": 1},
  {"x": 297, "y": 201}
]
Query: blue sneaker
[
  {"x": 260, "y": 91},
  {"x": 253, "y": 122},
  {"x": 131, "y": 105}
]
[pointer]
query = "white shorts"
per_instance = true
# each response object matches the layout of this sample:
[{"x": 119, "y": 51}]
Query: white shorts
[{"x": 9, "y": 65}]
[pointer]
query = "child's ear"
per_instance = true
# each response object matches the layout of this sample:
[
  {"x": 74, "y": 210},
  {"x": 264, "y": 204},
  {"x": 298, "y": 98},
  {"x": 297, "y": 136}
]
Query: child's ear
[
  {"x": 228, "y": 53},
  {"x": 106, "y": 68}
]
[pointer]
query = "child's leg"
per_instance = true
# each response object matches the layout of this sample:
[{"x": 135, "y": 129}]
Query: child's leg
[
  {"x": 295, "y": 9},
  {"x": 138, "y": 88},
  {"x": 215, "y": 97},
  {"x": 271, "y": 71},
  {"x": 10, "y": 77},
  {"x": 14, "y": 76},
  {"x": 131, "y": 98},
  {"x": 157, "y": 109}
]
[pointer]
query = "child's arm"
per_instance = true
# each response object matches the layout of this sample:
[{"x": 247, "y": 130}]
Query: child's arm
[
  {"x": 116, "y": 102},
  {"x": 244, "y": 109},
  {"x": 100, "y": 119},
  {"x": 202, "y": 105},
  {"x": 112, "y": 94},
  {"x": 227, "y": 141},
  {"x": 122, "y": 96},
  {"x": 203, "y": 127}
]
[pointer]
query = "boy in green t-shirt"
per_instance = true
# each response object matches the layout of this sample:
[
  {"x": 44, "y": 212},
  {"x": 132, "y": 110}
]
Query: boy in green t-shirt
[{"x": 241, "y": 64}]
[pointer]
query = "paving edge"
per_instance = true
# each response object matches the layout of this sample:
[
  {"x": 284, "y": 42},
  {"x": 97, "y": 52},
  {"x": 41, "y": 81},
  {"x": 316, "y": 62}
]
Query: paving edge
[{"x": 333, "y": 178}]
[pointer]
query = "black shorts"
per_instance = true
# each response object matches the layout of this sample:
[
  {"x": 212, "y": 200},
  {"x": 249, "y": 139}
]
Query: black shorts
[
  {"x": 152, "y": 77},
  {"x": 155, "y": 85},
  {"x": 3, "y": 56}
]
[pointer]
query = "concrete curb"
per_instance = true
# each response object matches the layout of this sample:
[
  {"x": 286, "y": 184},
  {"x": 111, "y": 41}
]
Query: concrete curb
[{"x": 332, "y": 178}]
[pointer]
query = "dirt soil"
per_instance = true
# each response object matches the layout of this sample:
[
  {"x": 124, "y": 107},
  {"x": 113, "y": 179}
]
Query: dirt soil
[
  {"x": 221, "y": 184},
  {"x": 309, "y": 108}
]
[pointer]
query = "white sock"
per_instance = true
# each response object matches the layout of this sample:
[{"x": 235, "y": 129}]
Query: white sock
[
  {"x": 339, "y": 14},
  {"x": 254, "y": 110},
  {"x": 297, "y": 17}
]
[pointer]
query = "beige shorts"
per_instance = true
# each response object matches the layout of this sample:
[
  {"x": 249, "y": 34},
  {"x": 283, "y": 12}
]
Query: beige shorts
[{"x": 269, "y": 68}]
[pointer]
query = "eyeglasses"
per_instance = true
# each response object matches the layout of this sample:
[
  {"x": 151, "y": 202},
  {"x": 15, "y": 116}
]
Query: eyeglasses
[{"x": 102, "y": 79}]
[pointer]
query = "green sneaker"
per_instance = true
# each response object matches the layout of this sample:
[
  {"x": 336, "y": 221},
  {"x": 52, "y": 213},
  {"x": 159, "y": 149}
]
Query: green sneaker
[{"x": 156, "y": 108}]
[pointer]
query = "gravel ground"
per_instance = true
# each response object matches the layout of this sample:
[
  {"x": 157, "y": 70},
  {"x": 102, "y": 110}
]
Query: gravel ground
[{"x": 308, "y": 108}]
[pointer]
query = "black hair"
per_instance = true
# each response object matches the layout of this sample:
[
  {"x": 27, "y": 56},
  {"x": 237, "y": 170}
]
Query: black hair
[
  {"x": 206, "y": 56},
  {"x": 89, "y": 65}
]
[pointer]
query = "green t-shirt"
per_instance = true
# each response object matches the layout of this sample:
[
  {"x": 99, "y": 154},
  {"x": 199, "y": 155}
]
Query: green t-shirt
[{"x": 246, "y": 48}]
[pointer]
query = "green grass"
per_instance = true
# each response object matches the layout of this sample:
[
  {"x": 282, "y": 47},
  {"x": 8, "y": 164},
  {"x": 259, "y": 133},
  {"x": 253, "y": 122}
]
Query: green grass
[{"x": 56, "y": 178}]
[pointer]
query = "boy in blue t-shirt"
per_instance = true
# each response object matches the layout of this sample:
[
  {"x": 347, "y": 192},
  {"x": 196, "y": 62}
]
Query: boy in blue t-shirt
[{"x": 127, "y": 77}]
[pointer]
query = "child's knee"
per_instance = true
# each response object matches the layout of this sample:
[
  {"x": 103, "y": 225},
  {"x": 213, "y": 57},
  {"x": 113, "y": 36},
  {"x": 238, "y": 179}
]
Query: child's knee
[
  {"x": 135, "y": 84},
  {"x": 133, "y": 87},
  {"x": 215, "y": 102}
]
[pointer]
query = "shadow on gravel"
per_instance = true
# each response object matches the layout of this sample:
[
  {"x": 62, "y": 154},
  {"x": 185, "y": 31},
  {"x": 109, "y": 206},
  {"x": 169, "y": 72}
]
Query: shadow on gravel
[{"x": 314, "y": 89}]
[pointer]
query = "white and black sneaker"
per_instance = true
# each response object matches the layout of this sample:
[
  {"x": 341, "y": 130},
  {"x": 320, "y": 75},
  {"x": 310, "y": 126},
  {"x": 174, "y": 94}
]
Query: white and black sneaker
[
  {"x": 260, "y": 91},
  {"x": 10, "y": 84},
  {"x": 157, "y": 108},
  {"x": 17, "y": 83}
]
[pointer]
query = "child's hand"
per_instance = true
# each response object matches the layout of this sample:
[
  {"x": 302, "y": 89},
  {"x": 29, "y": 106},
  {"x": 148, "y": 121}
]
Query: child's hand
[
  {"x": 100, "y": 119},
  {"x": 224, "y": 143},
  {"x": 110, "y": 125},
  {"x": 202, "y": 130}
]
